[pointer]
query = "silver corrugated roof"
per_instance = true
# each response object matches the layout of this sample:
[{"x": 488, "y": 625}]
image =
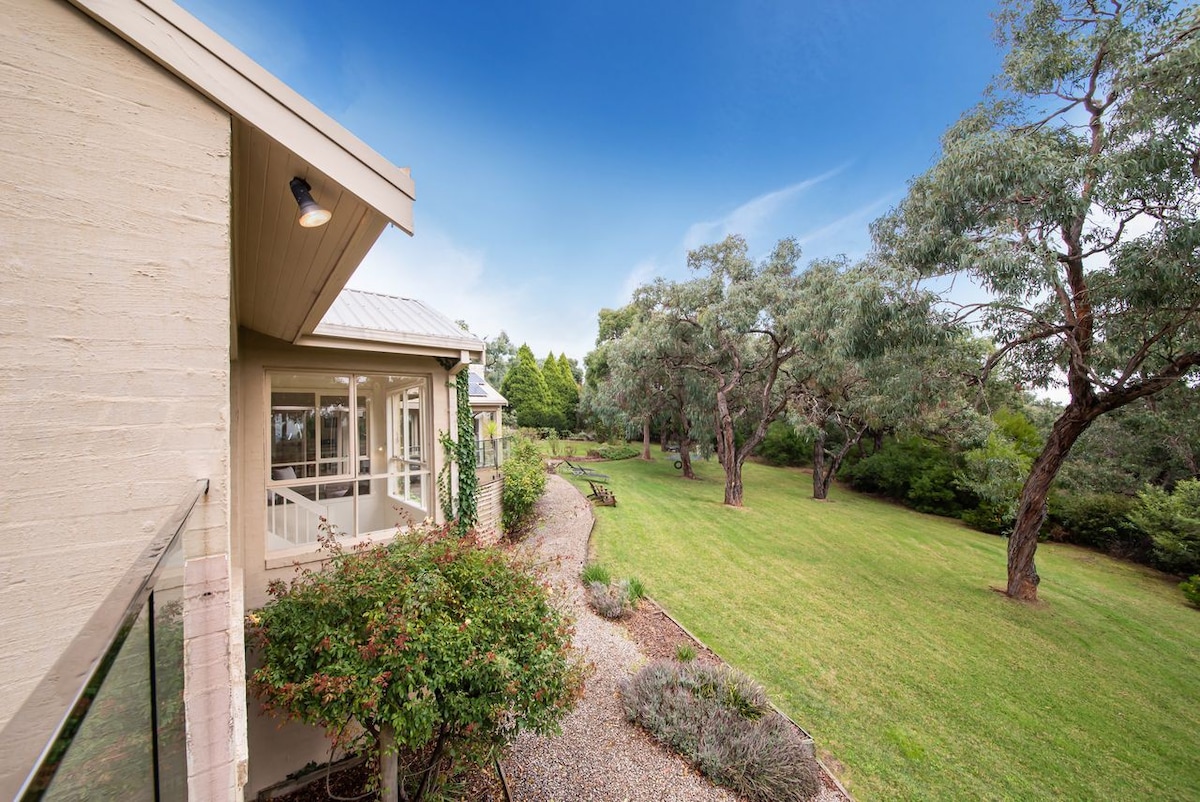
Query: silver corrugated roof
[{"x": 373, "y": 316}]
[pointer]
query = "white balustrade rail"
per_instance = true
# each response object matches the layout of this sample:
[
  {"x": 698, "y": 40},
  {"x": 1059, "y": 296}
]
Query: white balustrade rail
[{"x": 292, "y": 517}]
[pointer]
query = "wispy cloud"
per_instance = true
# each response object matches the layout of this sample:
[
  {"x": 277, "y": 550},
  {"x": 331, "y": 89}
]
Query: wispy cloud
[
  {"x": 752, "y": 216},
  {"x": 849, "y": 226},
  {"x": 456, "y": 280},
  {"x": 750, "y": 219}
]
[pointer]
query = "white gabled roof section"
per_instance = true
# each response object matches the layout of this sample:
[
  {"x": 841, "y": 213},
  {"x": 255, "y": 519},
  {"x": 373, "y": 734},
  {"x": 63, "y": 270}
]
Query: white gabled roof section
[
  {"x": 372, "y": 318},
  {"x": 215, "y": 68}
]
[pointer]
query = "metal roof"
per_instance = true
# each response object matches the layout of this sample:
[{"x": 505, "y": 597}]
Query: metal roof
[{"x": 360, "y": 315}]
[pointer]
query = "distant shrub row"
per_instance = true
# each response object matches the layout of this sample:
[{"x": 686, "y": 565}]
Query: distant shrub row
[
  {"x": 614, "y": 451},
  {"x": 1157, "y": 528}
]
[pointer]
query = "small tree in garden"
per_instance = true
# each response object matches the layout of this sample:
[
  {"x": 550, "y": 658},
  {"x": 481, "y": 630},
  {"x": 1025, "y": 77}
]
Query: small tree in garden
[
  {"x": 524, "y": 481},
  {"x": 430, "y": 644}
]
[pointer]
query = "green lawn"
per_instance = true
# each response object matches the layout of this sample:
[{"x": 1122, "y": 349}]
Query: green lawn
[{"x": 876, "y": 628}]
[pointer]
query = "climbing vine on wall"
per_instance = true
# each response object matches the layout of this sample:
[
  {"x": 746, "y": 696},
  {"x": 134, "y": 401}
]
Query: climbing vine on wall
[{"x": 462, "y": 509}]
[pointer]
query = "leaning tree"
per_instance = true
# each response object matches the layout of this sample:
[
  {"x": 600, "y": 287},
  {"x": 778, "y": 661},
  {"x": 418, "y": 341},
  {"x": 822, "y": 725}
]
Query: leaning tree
[{"x": 1072, "y": 195}]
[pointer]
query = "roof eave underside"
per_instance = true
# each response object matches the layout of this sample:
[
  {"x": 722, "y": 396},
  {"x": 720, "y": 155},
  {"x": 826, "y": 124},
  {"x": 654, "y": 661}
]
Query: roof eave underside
[
  {"x": 462, "y": 351},
  {"x": 221, "y": 72}
]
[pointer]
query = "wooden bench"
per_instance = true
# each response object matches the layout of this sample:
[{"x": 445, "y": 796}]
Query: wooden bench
[{"x": 602, "y": 495}]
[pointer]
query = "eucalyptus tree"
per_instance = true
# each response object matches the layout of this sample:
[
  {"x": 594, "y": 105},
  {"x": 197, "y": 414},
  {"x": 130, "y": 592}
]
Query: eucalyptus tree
[
  {"x": 638, "y": 382},
  {"x": 501, "y": 353},
  {"x": 1071, "y": 193},
  {"x": 875, "y": 354},
  {"x": 732, "y": 325}
]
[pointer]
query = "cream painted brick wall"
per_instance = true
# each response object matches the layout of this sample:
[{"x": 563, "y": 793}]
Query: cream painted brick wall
[{"x": 114, "y": 322}]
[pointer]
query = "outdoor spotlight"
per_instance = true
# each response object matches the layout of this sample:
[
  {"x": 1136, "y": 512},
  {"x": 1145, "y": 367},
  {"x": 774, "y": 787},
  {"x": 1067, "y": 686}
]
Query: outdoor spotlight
[{"x": 312, "y": 214}]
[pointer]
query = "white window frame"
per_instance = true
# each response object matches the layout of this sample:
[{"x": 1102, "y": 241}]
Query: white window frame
[{"x": 292, "y": 514}]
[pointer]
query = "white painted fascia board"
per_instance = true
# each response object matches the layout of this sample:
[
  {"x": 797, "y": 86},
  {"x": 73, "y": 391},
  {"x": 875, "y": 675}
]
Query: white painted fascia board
[
  {"x": 215, "y": 68},
  {"x": 391, "y": 343}
]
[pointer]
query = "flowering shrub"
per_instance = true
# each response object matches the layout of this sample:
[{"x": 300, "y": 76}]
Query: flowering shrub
[{"x": 432, "y": 644}]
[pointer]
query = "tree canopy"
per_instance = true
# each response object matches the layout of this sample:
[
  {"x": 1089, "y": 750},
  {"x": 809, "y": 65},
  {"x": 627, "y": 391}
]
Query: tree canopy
[{"x": 1071, "y": 195}]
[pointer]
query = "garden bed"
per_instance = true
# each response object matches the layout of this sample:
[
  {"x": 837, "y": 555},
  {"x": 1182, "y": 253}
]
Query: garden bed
[{"x": 659, "y": 637}]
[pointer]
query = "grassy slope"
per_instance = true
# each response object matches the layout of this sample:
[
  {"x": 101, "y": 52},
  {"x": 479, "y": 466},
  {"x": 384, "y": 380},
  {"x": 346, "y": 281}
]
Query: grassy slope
[{"x": 875, "y": 628}]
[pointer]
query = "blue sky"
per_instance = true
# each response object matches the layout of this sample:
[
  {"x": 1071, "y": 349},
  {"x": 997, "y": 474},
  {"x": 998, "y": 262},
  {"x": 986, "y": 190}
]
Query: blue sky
[{"x": 565, "y": 152}]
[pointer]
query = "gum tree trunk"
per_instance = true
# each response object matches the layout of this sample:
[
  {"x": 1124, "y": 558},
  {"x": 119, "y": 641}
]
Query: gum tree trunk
[
  {"x": 727, "y": 452},
  {"x": 646, "y": 439},
  {"x": 1023, "y": 577},
  {"x": 823, "y": 472},
  {"x": 685, "y": 457},
  {"x": 820, "y": 485}
]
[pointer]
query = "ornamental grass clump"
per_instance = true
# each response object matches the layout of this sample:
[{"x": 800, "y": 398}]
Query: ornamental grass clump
[
  {"x": 430, "y": 648},
  {"x": 609, "y": 599},
  {"x": 721, "y": 721}
]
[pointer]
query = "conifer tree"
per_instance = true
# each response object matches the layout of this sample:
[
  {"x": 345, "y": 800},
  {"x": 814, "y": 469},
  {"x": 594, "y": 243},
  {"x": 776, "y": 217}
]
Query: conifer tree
[{"x": 526, "y": 389}]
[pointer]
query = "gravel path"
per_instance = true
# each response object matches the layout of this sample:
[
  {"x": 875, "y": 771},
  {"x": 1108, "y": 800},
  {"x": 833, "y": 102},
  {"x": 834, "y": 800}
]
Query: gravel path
[{"x": 599, "y": 757}]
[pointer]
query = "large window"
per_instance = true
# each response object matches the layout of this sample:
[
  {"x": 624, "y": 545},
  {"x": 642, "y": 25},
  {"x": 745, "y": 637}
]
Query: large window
[{"x": 358, "y": 459}]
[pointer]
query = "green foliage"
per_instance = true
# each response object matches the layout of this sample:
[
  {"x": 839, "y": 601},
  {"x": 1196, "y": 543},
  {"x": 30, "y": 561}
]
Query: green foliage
[
  {"x": 524, "y": 482},
  {"x": 782, "y": 445},
  {"x": 501, "y": 353},
  {"x": 1100, "y": 521},
  {"x": 1172, "y": 520},
  {"x": 462, "y": 508},
  {"x": 1152, "y": 441},
  {"x": 468, "y": 481},
  {"x": 1191, "y": 590},
  {"x": 595, "y": 572},
  {"x": 614, "y": 451},
  {"x": 914, "y": 471},
  {"x": 1017, "y": 428},
  {"x": 563, "y": 389},
  {"x": 995, "y": 473},
  {"x": 609, "y": 599},
  {"x": 721, "y": 721},
  {"x": 685, "y": 652},
  {"x": 527, "y": 392},
  {"x": 447, "y": 643}
]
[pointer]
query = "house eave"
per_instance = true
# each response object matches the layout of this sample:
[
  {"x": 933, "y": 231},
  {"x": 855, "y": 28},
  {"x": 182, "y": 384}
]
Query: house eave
[
  {"x": 462, "y": 353},
  {"x": 218, "y": 70}
]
